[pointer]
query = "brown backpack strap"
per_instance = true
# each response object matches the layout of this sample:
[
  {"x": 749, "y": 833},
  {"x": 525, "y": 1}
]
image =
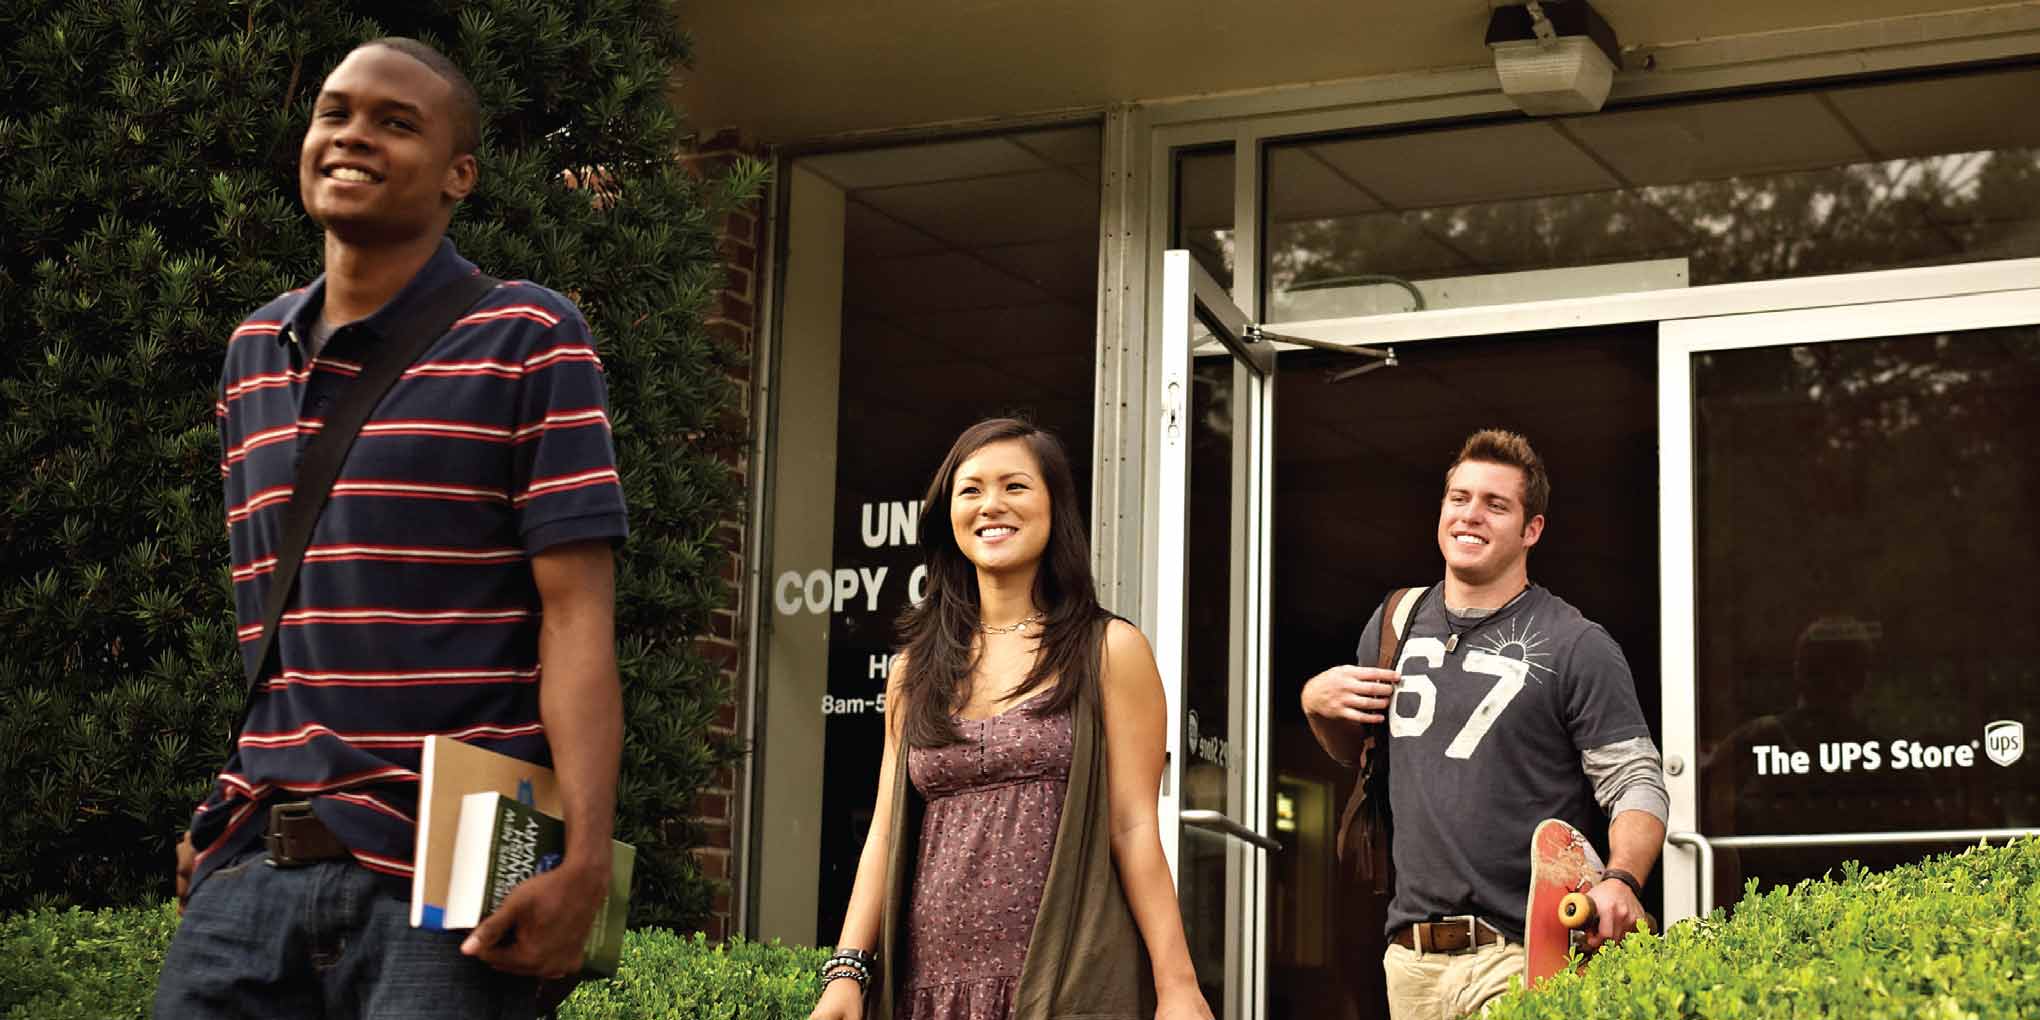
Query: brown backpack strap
[{"x": 1367, "y": 805}]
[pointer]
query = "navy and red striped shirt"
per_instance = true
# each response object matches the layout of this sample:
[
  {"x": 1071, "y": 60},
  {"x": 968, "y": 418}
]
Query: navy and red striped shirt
[{"x": 415, "y": 611}]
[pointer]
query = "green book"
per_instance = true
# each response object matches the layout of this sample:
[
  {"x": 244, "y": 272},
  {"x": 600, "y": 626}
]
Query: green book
[{"x": 500, "y": 843}]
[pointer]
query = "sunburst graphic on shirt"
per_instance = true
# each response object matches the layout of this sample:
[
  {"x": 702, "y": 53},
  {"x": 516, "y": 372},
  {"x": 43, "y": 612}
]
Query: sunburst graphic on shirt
[{"x": 1520, "y": 640}]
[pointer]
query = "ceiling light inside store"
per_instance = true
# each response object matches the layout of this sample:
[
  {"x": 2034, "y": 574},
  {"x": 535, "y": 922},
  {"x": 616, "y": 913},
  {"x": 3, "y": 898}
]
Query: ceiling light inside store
[{"x": 1554, "y": 57}]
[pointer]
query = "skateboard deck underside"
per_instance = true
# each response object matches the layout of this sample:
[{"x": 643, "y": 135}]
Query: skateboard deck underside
[{"x": 1562, "y": 862}]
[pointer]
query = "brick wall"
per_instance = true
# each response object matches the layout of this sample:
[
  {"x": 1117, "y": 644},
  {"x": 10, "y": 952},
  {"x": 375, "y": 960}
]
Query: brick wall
[{"x": 733, "y": 321}]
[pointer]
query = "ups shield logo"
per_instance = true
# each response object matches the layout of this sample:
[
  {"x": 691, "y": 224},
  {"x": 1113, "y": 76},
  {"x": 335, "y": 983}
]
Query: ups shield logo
[{"x": 2004, "y": 741}]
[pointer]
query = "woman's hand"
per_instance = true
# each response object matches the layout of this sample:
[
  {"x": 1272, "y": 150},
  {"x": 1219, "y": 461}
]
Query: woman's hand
[{"x": 843, "y": 999}]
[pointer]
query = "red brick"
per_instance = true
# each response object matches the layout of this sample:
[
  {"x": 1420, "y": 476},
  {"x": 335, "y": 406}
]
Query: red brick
[
  {"x": 740, "y": 225},
  {"x": 726, "y": 715},
  {"x": 739, "y": 252},
  {"x": 738, "y": 281},
  {"x": 733, "y": 306},
  {"x": 716, "y": 927},
  {"x": 715, "y": 835},
  {"x": 720, "y": 902},
  {"x": 721, "y": 655},
  {"x": 735, "y": 336},
  {"x": 712, "y": 807},
  {"x": 712, "y": 864}
]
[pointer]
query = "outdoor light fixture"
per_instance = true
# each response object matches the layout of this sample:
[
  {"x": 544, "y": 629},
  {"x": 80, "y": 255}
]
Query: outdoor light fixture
[{"x": 1554, "y": 57}]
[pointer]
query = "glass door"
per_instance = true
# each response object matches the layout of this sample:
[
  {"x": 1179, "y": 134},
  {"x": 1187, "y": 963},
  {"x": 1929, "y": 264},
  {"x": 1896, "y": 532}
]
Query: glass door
[
  {"x": 1210, "y": 574},
  {"x": 1848, "y": 569}
]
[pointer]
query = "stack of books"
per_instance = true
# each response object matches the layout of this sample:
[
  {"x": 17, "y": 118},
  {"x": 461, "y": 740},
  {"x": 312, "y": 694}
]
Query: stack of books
[{"x": 488, "y": 821}]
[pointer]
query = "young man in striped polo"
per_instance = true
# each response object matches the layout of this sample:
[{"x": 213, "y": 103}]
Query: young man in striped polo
[{"x": 459, "y": 581}]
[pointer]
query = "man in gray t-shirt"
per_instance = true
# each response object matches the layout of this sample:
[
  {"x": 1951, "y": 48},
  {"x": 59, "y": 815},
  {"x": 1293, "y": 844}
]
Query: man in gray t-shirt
[{"x": 1506, "y": 707}]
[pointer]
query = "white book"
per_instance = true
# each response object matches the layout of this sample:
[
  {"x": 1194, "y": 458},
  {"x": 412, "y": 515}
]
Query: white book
[{"x": 468, "y": 881}]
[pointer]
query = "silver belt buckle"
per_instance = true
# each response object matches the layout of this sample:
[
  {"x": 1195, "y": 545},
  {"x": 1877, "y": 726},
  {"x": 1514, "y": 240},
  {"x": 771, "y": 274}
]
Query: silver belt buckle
[{"x": 1472, "y": 929}]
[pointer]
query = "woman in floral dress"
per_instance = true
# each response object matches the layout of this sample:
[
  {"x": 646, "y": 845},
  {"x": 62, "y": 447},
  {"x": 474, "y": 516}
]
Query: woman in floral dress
[{"x": 1030, "y": 724}]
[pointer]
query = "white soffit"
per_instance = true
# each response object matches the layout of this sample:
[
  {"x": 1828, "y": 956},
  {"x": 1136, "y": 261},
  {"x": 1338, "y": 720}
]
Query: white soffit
[{"x": 786, "y": 71}]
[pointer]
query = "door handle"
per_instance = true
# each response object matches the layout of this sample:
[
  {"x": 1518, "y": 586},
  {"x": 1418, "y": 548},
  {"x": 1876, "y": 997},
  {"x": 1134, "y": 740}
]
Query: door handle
[{"x": 1221, "y": 823}]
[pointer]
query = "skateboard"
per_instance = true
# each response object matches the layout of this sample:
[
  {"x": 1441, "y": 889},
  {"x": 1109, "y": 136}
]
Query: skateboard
[{"x": 1563, "y": 866}]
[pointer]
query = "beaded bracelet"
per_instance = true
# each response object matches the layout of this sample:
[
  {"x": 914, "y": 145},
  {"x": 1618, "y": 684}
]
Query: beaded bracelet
[
  {"x": 830, "y": 977},
  {"x": 851, "y": 962},
  {"x": 856, "y": 964}
]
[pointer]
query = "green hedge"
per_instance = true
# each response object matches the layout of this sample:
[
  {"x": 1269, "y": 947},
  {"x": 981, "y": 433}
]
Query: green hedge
[
  {"x": 1956, "y": 937},
  {"x": 665, "y": 976},
  {"x": 101, "y": 965},
  {"x": 82, "y": 964}
]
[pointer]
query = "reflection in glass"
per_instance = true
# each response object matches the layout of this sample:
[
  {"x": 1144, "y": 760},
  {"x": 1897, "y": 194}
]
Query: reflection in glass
[
  {"x": 1207, "y": 769},
  {"x": 968, "y": 290},
  {"x": 1204, "y": 209},
  {"x": 1866, "y": 591},
  {"x": 1358, "y": 473},
  {"x": 1844, "y": 179}
]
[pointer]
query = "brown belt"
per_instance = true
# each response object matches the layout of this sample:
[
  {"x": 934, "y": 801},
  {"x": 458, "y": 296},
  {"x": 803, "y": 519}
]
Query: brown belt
[
  {"x": 1452, "y": 935},
  {"x": 296, "y": 837}
]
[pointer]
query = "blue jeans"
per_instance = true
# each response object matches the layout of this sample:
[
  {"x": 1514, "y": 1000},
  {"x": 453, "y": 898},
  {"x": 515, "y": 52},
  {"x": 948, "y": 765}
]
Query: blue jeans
[{"x": 329, "y": 940}]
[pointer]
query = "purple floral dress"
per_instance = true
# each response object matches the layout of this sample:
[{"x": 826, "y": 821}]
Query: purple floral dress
[{"x": 993, "y": 804}]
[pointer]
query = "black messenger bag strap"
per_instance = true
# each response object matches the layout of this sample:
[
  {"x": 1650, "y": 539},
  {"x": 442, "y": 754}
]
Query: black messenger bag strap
[{"x": 393, "y": 353}]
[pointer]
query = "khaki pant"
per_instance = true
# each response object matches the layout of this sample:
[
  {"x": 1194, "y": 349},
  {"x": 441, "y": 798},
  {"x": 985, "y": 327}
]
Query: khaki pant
[{"x": 1444, "y": 986}]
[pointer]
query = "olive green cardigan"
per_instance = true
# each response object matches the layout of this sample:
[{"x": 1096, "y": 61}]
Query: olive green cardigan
[{"x": 1085, "y": 957}]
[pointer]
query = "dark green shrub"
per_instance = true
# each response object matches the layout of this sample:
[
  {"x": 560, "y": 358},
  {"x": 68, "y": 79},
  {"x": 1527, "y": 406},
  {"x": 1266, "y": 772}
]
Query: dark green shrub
[
  {"x": 102, "y": 965},
  {"x": 148, "y": 200},
  {"x": 1954, "y": 937}
]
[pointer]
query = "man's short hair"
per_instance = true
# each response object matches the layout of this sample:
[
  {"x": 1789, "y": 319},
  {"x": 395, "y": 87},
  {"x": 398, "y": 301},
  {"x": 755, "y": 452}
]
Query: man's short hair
[
  {"x": 467, "y": 104},
  {"x": 1498, "y": 446}
]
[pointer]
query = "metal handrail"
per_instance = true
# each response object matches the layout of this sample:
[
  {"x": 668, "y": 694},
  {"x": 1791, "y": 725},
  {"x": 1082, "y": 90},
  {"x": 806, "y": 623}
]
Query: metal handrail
[
  {"x": 1705, "y": 845},
  {"x": 1220, "y": 822}
]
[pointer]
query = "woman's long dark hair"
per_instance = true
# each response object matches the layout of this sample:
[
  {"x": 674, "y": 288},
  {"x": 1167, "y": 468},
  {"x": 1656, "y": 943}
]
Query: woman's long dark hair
[{"x": 939, "y": 636}]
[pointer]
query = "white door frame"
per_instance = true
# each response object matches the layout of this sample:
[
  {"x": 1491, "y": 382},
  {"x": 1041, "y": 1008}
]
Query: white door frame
[
  {"x": 1688, "y": 867},
  {"x": 1188, "y": 295},
  {"x": 1831, "y": 307}
]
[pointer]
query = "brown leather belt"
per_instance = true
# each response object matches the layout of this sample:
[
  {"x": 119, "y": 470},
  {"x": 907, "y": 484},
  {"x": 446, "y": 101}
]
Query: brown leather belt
[
  {"x": 296, "y": 837},
  {"x": 1452, "y": 935}
]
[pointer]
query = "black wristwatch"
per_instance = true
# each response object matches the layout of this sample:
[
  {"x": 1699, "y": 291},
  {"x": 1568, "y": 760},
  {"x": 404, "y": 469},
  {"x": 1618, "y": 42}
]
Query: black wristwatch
[{"x": 1625, "y": 878}]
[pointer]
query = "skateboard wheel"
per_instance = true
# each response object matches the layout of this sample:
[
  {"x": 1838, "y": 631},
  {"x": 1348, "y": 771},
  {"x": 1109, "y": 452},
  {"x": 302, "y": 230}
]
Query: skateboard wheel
[{"x": 1576, "y": 910}]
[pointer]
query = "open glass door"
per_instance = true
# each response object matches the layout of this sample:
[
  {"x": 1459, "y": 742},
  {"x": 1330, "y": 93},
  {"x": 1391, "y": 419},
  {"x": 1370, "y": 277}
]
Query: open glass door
[
  {"x": 1210, "y": 576},
  {"x": 1848, "y": 571}
]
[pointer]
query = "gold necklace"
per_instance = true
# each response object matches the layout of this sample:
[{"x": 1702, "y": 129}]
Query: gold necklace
[{"x": 1033, "y": 617}]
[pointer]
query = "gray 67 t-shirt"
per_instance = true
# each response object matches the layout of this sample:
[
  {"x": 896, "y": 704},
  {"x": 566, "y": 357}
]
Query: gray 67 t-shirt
[{"x": 1485, "y": 742}]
